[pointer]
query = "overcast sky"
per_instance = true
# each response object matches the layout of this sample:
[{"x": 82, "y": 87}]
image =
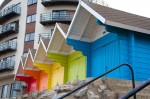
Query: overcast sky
[
  {"x": 1, "y": 1},
  {"x": 140, "y": 7}
]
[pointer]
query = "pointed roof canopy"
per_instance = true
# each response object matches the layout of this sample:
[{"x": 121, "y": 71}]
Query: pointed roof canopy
[
  {"x": 40, "y": 55},
  {"x": 29, "y": 61},
  {"x": 58, "y": 41},
  {"x": 84, "y": 27}
]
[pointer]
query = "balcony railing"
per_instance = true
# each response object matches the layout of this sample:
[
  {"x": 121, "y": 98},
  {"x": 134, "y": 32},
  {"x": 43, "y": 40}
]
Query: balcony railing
[
  {"x": 59, "y": 2},
  {"x": 7, "y": 65},
  {"x": 51, "y": 18},
  {"x": 8, "y": 46},
  {"x": 8, "y": 29},
  {"x": 9, "y": 12},
  {"x": 100, "y": 2},
  {"x": 45, "y": 36}
]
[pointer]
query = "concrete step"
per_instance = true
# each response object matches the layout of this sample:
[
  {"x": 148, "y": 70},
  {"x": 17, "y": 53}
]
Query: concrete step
[
  {"x": 138, "y": 96},
  {"x": 118, "y": 88},
  {"x": 123, "y": 86},
  {"x": 119, "y": 81}
]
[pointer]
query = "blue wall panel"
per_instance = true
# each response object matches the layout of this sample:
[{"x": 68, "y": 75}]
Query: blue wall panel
[
  {"x": 114, "y": 49},
  {"x": 98, "y": 61},
  {"x": 142, "y": 56}
]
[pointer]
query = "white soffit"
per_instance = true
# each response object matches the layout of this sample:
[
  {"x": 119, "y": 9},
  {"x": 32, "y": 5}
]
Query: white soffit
[
  {"x": 41, "y": 52},
  {"x": 29, "y": 62},
  {"x": 58, "y": 41}
]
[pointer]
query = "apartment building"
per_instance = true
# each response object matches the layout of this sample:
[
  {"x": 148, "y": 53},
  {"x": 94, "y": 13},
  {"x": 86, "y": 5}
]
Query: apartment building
[{"x": 22, "y": 23}]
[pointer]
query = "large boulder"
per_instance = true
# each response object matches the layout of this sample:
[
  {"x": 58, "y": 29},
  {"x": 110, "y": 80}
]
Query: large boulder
[
  {"x": 81, "y": 92},
  {"x": 33, "y": 95}
]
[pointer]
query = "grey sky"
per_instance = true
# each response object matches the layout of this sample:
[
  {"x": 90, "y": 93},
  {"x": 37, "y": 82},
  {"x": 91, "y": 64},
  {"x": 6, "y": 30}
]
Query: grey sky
[
  {"x": 140, "y": 7},
  {"x": 1, "y": 1}
]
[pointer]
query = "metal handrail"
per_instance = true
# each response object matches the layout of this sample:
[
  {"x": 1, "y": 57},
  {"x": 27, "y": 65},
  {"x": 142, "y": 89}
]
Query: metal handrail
[
  {"x": 56, "y": 17},
  {"x": 13, "y": 8},
  {"x": 7, "y": 64},
  {"x": 57, "y": 0},
  {"x": 45, "y": 35},
  {"x": 78, "y": 88},
  {"x": 100, "y": 2},
  {"x": 136, "y": 90},
  {"x": 9, "y": 27},
  {"x": 8, "y": 45}
]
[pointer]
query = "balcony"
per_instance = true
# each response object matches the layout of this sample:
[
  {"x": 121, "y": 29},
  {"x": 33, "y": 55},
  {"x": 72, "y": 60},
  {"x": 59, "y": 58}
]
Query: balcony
[
  {"x": 8, "y": 46},
  {"x": 9, "y": 12},
  {"x": 52, "y": 18},
  {"x": 7, "y": 65},
  {"x": 59, "y": 2},
  {"x": 45, "y": 36},
  {"x": 8, "y": 29}
]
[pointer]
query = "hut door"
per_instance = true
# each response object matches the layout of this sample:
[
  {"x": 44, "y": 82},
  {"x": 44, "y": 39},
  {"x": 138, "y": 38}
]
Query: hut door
[
  {"x": 77, "y": 69},
  {"x": 57, "y": 75},
  {"x": 112, "y": 58}
]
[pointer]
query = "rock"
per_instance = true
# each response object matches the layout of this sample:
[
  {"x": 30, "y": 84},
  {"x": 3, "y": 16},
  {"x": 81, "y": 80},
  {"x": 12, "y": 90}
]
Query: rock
[
  {"x": 18, "y": 97},
  {"x": 103, "y": 87},
  {"x": 81, "y": 92},
  {"x": 107, "y": 94},
  {"x": 81, "y": 82},
  {"x": 111, "y": 95},
  {"x": 68, "y": 83},
  {"x": 92, "y": 95},
  {"x": 88, "y": 79},
  {"x": 76, "y": 82},
  {"x": 91, "y": 84},
  {"x": 25, "y": 96},
  {"x": 56, "y": 96},
  {"x": 33, "y": 95},
  {"x": 47, "y": 95},
  {"x": 98, "y": 82},
  {"x": 63, "y": 88},
  {"x": 43, "y": 92}
]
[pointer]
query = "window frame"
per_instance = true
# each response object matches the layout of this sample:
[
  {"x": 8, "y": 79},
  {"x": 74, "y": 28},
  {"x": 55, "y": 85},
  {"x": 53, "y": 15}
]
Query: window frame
[
  {"x": 3, "y": 91},
  {"x": 29, "y": 38},
  {"x": 59, "y": 14},
  {"x": 11, "y": 91},
  {"x": 31, "y": 18},
  {"x": 25, "y": 54},
  {"x": 32, "y": 2}
]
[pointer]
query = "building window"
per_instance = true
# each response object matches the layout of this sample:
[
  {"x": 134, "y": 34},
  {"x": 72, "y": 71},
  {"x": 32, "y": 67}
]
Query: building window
[
  {"x": 30, "y": 2},
  {"x": 29, "y": 37},
  {"x": 14, "y": 89},
  {"x": 52, "y": 30},
  {"x": 25, "y": 54},
  {"x": 58, "y": 14},
  {"x": 31, "y": 18},
  {"x": 5, "y": 91}
]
